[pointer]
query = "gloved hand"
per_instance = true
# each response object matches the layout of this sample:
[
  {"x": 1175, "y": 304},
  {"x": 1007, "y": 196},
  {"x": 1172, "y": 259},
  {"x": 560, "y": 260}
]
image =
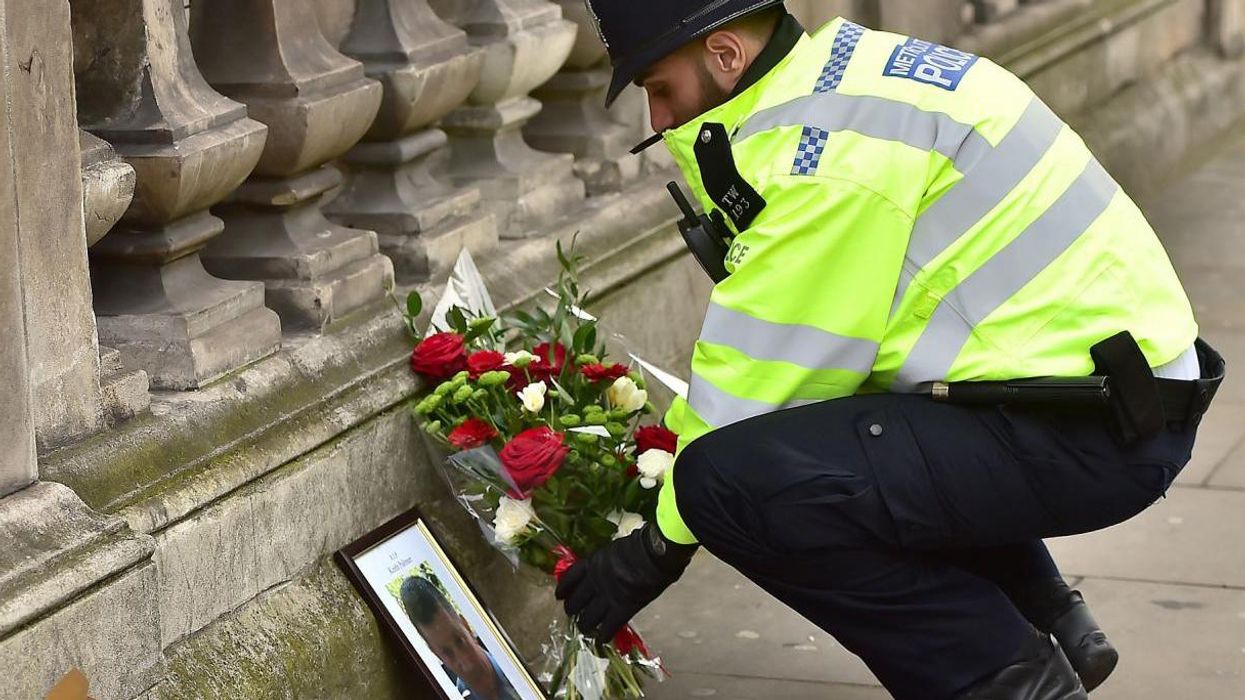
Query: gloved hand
[{"x": 603, "y": 592}]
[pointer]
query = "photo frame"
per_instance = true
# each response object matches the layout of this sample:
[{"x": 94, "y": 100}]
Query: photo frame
[{"x": 438, "y": 621}]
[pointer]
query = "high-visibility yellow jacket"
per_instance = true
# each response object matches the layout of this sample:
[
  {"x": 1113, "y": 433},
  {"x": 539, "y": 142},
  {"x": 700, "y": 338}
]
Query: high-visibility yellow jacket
[{"x": 926, "y": 218}]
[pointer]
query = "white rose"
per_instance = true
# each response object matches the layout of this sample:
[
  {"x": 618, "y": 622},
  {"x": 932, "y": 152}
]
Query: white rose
[
  {"x": 512, "y": 520},
  {"x": 627, "y": 523},
  {"x": 519, "y": 359},
  {"x": 624, "y": 394},
  {"x": 533, "y": 397},
  {"x": 653, "y": 466}
]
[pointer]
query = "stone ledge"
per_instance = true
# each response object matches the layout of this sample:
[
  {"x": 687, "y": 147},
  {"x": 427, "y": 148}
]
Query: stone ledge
[
  {"x": 195, "y": 447},
  {"x": 1150, "y": 132},
  {"x": 1076, "y": 55}
]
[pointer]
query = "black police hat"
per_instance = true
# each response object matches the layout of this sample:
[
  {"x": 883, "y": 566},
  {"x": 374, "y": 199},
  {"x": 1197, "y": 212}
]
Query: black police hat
[{"x": 638, "y": 33}]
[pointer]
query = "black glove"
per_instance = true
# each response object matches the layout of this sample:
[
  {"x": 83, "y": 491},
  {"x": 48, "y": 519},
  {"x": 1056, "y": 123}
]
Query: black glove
[{"x": 603, "y": 592}]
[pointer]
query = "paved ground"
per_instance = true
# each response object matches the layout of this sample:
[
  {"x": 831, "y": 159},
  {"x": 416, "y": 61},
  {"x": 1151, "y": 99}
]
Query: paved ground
[{"x": 1168, "y": 586}]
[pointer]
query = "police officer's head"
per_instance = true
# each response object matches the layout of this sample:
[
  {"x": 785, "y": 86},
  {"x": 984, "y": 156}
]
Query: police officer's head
[{"x": 687, "y": 54}]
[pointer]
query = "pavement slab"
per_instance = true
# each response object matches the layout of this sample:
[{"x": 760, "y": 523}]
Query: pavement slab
[
  {"x": 1220, "y": 436},
  {"x": 1174, "y": 641},
  {"x": 715, "y": 621},
  {"x": 1194, "y": 536}
]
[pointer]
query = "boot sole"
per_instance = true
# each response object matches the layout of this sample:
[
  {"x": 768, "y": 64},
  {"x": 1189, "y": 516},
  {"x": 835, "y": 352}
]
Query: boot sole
[{"x": 1096, "y": 666}]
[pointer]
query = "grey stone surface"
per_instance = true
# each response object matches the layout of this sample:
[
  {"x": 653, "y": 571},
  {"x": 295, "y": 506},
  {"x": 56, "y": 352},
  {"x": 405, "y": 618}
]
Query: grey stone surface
[
  {"x": 426, "y": 68},
  {"x": 75, "y": 591},
  {"x": 189, "y": 147},
  {"x": 317, "y": 103},
  {"x": 934, "y": 20},
  {"x": 125, "y": 392},
  {"x": 525, "y": 43},
  {"x": 265, "y": 533},
  {"x": 110, "y": 634},
  {"x": 64, "y": 359},
  {"x": 107, "y": 186},
  {"x": 17, "y": 431},
  {"x": 573, "y": 118}
]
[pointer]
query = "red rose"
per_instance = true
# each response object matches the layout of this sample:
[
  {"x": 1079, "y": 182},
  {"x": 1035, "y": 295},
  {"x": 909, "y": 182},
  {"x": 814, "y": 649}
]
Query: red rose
[
  {"x": 549, "y": 361},
  {"x": 440, "y": 356},
  {"x": 628, "y": 640},
  {"x": 600, "y": 373},
  {"x": 471, "y": 434},
  {"x": 655, "y": 437},
  {"x": 484, "y": 361},
  {"x": 532, "y": 458}
]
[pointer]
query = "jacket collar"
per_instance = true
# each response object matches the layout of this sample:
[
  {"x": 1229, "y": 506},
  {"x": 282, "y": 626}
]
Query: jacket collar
[{"x": 786, "y": 35}]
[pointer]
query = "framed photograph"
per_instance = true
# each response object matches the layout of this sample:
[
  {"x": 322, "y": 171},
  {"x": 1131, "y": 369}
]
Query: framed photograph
[{"x": 421, "y": 599}]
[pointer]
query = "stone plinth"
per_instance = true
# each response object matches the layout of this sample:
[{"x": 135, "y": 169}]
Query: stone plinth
[
  {"x": 525, "y": 43},
  {"x": 574, "y": 119},
  {"x": 189, "y": 146},
  {"x": 317, "y": 103},
  {"x": 76, "y": 591},
  {"x": 427, "y": 68}
]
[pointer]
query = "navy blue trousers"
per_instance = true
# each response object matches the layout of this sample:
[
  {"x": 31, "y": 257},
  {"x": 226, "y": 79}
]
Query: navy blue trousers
[{"x": 894, "y": 522}]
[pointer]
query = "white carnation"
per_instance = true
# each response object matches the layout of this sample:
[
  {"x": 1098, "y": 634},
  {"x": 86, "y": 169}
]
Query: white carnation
[
  {"x": 533, "y": 396},
  {"x": 519, "y": 359},
  {"x": 653, "y": 466},
  {"x": 624, "y": 394},
  {"x": 512, "y": 520},
  {"x": 627, "y": 523}
]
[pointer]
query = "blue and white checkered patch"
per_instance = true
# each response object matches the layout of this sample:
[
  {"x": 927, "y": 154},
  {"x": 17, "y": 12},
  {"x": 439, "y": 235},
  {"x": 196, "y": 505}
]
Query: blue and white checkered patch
[
  {"x": 812, "y": 144},
  {"x": 840, "y": 55}
]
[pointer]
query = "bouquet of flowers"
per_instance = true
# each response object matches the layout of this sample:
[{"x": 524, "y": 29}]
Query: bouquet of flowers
[{"x": 547, "y": 449}]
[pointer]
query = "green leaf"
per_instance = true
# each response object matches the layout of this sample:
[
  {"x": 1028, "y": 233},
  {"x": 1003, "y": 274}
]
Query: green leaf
[
  {"x": 457, "y": 320},
  {"x": 583, "y": 339},
  {"x": 414, "y": 304},
  {"x": 478, "y": 328}
]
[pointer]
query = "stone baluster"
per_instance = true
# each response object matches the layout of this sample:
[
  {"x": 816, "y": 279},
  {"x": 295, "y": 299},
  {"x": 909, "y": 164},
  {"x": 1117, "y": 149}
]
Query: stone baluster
[
  {"x": 1227, "y": 26},
  {"x": 427, "y": 68},
  {"x": 574, "y": 119},
  {"x": 525, "y": 43},
  {"x": 317, "y": 103},
  {"x": 139, "y": 89},
  {"x": 107, "y": 190}
]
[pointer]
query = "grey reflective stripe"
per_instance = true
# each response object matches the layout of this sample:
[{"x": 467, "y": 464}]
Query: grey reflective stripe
[
  {"x": 876, "y": 117},
  {"x": 1003, "y": 275},
  {"x": 984, "y": 187},
  {"x": 718, "y": 408},
  {"x": 805, "y": 346}
]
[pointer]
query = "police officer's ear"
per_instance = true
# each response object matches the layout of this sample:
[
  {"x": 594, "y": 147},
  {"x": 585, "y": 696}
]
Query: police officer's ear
[{"x": 728, "y": 54}]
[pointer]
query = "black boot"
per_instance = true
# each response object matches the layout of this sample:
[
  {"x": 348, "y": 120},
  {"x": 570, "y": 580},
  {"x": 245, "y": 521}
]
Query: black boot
[
  {"x": 1052, "y": 607},
  {"x": 1085, "y": 644},
  {"x": 1041, "y": 673}
]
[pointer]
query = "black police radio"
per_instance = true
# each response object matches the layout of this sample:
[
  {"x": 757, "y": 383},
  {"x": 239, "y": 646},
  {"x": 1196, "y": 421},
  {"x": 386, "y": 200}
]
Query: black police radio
[{"x": 705, "y": 237}]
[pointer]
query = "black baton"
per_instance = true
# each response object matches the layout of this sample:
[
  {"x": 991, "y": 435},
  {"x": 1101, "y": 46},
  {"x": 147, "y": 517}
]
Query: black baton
[{"x": 1048, "y": 391}]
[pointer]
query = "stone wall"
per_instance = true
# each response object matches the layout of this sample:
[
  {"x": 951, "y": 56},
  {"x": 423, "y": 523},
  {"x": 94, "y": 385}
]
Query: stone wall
[{"x": 203, "y": 352}]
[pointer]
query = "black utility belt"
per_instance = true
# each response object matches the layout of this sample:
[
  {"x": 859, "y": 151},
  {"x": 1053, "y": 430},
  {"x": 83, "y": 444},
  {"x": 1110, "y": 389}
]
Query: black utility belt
[{"x": 1139, "y": 404}]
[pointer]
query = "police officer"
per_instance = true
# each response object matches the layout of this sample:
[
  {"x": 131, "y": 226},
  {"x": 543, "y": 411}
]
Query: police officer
[{"x": 899, "y": 214}]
